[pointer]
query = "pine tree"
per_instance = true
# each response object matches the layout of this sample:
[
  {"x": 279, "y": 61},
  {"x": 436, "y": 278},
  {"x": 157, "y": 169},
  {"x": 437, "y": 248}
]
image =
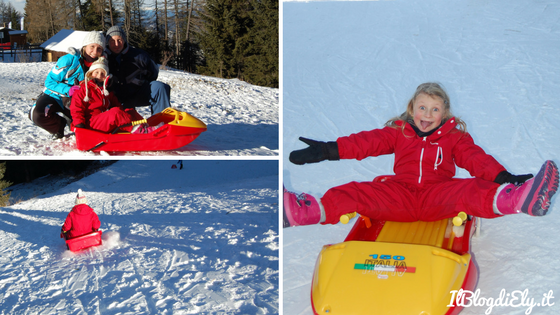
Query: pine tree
[
  {"x": 92, "y": 20},
  {"x": 4, "y": 196},
  {"x": 148, "y": 41},
  {"x": 15, "y": 18},
  {"x": 9, "y": 14},
  {"x": 240, "y": 40},
  {"x": 261, "y": 62},
  {"x": 191, "y": 56},
  {"x": 226, "y": 22}
]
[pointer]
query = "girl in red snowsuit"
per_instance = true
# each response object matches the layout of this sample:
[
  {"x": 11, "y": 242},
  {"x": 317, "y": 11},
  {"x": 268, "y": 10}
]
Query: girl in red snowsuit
[
  {"x": 428, "y": 142},
  {"x": 81, "y": 220},
  {"x": 94, "y": 107}
]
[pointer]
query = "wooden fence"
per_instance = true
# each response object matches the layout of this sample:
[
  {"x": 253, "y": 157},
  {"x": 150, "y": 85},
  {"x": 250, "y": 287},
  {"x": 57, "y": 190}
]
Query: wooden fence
[{"x": 30, "y": 53}]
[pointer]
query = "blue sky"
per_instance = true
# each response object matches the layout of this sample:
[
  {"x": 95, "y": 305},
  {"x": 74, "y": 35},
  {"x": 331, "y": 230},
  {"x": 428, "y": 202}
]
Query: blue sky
[{"x": 18, "y": 4}]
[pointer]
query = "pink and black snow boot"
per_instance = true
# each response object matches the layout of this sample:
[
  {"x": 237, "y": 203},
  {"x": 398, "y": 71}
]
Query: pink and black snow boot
[
  {"x": 144, "y": 128},
  {"x": 533, "y": 197},
  {"x": 300, "y": 209}
]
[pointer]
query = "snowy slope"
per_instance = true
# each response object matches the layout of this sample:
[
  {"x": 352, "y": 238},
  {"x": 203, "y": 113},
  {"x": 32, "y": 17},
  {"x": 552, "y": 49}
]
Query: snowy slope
[
  {"x": 350, "y": 66},
  {"x": 203, "y": 239},
  {"x": 242, "y": 119}
]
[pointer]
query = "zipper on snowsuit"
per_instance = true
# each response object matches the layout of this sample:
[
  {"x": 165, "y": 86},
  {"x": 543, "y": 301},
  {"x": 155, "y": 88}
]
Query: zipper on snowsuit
[
  {"x": 438, "y": 160},
  {"x": 421, "y": 157},
  {"x": 439, "y": 156}
]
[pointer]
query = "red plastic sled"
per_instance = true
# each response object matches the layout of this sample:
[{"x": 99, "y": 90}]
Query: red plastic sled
[
  {"x": 179, "y": 129},
  {"x": 84, "y": 241}
]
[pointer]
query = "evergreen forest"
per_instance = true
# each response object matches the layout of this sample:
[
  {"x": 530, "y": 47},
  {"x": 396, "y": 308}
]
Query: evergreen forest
[{"x": 220, "y": 38}]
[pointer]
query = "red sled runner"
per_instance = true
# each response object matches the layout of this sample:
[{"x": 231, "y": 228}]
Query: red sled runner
[
  {"x": 178, "y": 130},
  {"x": 85, "y": 241}
]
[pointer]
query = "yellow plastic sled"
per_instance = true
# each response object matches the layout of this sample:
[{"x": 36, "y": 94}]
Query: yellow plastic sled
[{"x": 396, "y": 268}]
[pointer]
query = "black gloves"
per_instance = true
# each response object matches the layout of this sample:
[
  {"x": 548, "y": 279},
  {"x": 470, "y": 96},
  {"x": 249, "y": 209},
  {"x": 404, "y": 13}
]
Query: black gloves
[
  {"x": 80, "y": 126},
  {"x": 316, "y": 152},
  {"x": 112, "y": 83},
  {"x": 109, "y": 80},
  {"x": 507, "y": 177}
]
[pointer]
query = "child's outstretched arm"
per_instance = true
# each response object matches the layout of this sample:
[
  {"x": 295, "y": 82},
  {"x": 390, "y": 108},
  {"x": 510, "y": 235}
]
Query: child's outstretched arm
[{"x": 317, "y": 151}]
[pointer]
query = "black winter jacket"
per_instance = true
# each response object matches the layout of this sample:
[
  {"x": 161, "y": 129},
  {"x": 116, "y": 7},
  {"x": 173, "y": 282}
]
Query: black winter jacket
[{"x": 132, "y": 71}]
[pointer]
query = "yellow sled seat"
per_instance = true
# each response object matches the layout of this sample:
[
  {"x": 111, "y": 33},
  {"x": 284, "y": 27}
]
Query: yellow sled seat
[
  {"x": 394, "y": 268},
  {"x": 419, "y": 232},
  {"x": 404, "y": 271}
]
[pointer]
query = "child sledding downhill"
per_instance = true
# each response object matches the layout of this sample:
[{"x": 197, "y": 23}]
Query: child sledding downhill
[
  {"x": 95, "y": 108},
  {"x": 428, "y": 143},
  {"x": 81, "y": 220}
]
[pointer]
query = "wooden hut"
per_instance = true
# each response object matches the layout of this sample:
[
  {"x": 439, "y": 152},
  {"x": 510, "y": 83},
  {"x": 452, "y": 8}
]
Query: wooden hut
[
  {"x": 10, "y": 38},
  {"x": 58, "y": 45}
]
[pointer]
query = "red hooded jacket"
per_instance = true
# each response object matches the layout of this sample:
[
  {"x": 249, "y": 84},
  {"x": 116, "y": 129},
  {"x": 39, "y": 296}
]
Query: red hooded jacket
[
  {"x": 98, "y": 103},
  {"x": 422, "y": 188},
  {"x": 423, "y": 159},
  {"x": 81, "y": 220}
]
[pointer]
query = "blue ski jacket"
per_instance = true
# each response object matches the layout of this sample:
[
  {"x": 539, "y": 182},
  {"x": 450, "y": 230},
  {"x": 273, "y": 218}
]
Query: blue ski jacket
[{"x": 68, "y": 71}]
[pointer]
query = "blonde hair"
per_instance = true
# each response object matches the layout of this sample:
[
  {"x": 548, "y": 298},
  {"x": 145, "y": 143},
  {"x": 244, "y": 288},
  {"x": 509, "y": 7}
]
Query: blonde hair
[
  {"x": 89, "y": 74},
  {"x": 432, "y": 89}
]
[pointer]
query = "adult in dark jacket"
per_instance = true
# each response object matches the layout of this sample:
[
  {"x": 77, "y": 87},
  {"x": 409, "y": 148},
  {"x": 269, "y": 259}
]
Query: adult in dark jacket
[{"x": 134, "y": 74}]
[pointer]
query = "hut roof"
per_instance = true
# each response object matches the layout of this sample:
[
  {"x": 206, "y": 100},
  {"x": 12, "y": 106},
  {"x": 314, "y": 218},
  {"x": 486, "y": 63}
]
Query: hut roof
[{"x": 65, "y": 39}]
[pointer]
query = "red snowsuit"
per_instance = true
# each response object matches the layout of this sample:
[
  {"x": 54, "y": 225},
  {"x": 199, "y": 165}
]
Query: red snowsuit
[
  {"x": 422, "y": 188},
  {"x": 81, "y": 220},
  {"x": 101, "y": 112}
]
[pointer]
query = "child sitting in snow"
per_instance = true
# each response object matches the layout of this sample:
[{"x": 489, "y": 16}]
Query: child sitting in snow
[
  {"x": 428, "y": 142},
  {"x": 95, "y": 108},
  {"x": 81, "y": 220}
]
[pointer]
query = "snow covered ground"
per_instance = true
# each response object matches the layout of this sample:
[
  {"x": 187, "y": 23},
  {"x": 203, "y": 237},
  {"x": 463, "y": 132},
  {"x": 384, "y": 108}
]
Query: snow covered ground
[
  {"x": 242, "y": 119},
  {"x": 350, "y": 66},
  {"x": 201, "y": 240}
]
